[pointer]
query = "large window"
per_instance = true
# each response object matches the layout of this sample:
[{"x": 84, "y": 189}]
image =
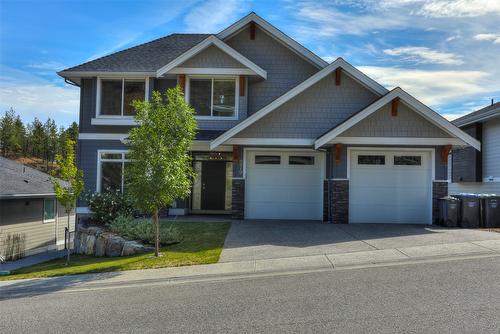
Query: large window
[
  {"x": 116, "y": 96},
  {"x": 112, "y": 170},
  {"x": 49, "y": 210},
  {"x": 213, "y": 97}
]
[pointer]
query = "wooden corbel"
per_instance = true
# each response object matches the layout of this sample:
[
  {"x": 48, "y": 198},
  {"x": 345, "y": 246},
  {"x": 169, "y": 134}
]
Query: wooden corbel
[
  {"x": 182, "y": 82},
  {"x": 242, "y": 85},
  {"x": 236, "y": 153},
  {"x": 445, "y": 151},
  {"x": 395, "y": 105},
  {"x": 252, "y": 30},
  {"x": 338, "y": 153},
  {"x": 338, "y": 73}
]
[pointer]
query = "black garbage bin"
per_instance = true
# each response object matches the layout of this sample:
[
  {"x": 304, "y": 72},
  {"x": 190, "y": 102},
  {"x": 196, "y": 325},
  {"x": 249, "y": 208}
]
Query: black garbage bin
[
  {"x": 470, "y": 210},
  {"x": 449, "y": 210},
  {"x": 491, "y": 210}
]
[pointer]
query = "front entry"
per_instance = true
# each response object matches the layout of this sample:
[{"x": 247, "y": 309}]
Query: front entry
[{"x": 213, "y": 185}]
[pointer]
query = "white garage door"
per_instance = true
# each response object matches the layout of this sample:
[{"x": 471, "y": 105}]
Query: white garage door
[
  {"x": 284, "y": 185},
  {"x": 390, "y": 187}
]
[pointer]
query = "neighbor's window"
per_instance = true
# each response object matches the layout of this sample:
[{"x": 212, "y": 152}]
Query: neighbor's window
[
  {"x": 118, "y": 94},
  {"x": 49, "y": 210},
  {"x": 213, "y": 97},
  {"x": 407, "y": 160},
  {"x": 112, "y": 168},
  {"x": 371, "y": 159},
  {"x": 267, "y": 159},
  {"x": 300, "y": 160}
]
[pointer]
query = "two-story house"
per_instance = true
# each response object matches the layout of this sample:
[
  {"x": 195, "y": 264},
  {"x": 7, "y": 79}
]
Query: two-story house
[{"x": 282, "y": 133}]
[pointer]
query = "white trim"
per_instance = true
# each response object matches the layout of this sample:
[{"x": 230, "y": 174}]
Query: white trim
[
  {"x": 212, "y": 78},
  {"x": 413, "y": 103},
  {"x": 113, "y": 120},
  {"x": 349, "y": 69},
  {"x": 5, "y": 196},
  {"x": 482, "y": 117},
  {"x": 99, "y": 160},
  {"x": 396, "y": 141},
  {"x": 211, "y": 71},
  {"x": 116, "y": 75},
  {"x": 271, "y": 141},
  {"x": 52, "y": 220},
  {"x": 447, "y": 181},
  {"x": 204, "y": 146},
  {"x": 103, "y": 136},
  {"x": 95, "y": 121},
  {"x": 83, "y": 210},
  {"x": 277, "y": 34},
  {"x": 432, "y": 152},
  {"x": 491, "y": 179},
  {"x": 212, "y": 40}
]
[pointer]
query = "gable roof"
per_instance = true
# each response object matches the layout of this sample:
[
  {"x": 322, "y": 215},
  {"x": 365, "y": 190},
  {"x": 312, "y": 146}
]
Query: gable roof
[
  {"x": 147, "y": 57},
  {"x": 276, "y": 33},
  {"x": 339, "y": 62},
  {"x": 211, "y": 40},
  {"x": 418, "y": 106},
  {"x": 481, "y": 115},
  {"x": 20, "y": 181}
]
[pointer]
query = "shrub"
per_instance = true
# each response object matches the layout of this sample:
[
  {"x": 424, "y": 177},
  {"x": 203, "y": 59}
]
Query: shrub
[
  {"x": 107, "y": 206},
  {"x": 14, "y": 246},
  {"x": 142, "y": 229}
]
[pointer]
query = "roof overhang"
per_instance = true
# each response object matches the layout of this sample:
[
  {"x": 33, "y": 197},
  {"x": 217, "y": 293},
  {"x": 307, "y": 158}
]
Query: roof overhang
[
  {"x": 251, "y": 67},
  {"x": 20, "y": 196},
  {"x": 482, "y": 117},
  {"x": 346, "y": 67},
  {"x": 459, "y": 137},
  {"x": 277, "y": 34}
]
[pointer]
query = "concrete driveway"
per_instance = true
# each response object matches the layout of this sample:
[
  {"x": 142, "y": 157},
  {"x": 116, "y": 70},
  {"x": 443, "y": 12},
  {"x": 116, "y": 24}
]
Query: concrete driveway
[{"x": 256, "y": 240}]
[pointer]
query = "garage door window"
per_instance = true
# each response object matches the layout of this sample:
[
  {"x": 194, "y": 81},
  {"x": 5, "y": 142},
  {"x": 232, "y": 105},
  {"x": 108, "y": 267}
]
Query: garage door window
[
  {"x": 371, "y": 159},
  {"x": 267, "y": 159},
  {"x": 407, "y": 160},
  {"x": 300, "y": 160}
]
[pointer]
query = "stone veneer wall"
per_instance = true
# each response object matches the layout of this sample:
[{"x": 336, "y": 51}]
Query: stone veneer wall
[
  {"x": 336, "y": 196},
  {"x": 238, "y": 202},
  {"x": 439, "y": 189}
]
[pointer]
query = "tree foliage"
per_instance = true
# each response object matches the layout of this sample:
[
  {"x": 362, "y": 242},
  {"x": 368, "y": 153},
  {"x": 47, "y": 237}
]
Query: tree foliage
[{"x": 160, "y": 169}]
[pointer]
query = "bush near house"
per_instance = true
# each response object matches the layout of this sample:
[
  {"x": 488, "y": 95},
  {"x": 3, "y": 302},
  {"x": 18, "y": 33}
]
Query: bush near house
[
  {"x": 108, "y": 205},
  {"x": 143, "y": 229}
]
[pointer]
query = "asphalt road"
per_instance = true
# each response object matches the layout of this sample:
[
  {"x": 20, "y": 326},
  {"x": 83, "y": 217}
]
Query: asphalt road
[{"x": 461, "y": 296}]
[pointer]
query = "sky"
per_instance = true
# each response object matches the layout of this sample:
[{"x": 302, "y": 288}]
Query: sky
[{"x": 444, "y": 52}]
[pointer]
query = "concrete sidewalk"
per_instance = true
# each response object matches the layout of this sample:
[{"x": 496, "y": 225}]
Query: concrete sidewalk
[
  {"x": 32, "y": 260},
  {"x": 292, "y": 264}
]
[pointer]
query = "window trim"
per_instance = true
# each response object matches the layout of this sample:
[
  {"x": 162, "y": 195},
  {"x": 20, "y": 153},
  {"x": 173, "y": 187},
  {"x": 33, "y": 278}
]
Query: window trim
[
  {"x": 46, "y": 221},
  {"x": 212, "y": 78},
  {"x": 99, "y": 166},
  {"x": 99, "y": 94}
]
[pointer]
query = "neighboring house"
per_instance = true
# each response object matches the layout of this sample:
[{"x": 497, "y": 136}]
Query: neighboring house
[
  {"x": 282, "y": 133},
  {"x": 474, "y": 171},
  {"x": 28, "y": 208}
]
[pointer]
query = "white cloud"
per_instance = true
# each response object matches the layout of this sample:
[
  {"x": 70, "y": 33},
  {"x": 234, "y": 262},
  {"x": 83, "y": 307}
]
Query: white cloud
[
  {"x": 49, "y": 65},
  {"x": 459, "y": 8},
  {"x": 433, "y": 87},
  {"x": 31, "y": 96},
  {"x": 495, "y": 38},
  {"x": 214, "y": 15},
  {"x": 424, "y": 55}
]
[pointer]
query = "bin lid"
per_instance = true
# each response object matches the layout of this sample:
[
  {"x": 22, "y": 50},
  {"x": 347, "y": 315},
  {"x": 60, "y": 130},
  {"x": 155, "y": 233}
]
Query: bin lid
[{"x": 449, "y": 198}]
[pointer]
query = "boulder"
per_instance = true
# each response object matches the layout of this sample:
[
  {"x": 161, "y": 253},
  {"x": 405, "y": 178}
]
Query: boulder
[
  {"x": 76, "y": 242},
  {"x": 90, "y": 245},
  {"x": 114, "y": 246},
  {"x": 94, "y": 230},
  {"x": 134, "y": 247},
  {"x": 83, "y": 243},
  {"x": 100, "y": 245}
]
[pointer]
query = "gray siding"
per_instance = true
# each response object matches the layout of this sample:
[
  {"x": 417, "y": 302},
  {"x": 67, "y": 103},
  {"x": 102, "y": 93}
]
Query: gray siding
[
  {"x": 212, "y": 57},
  {"x": 314, "y": 111},
  {"x": 407, "y": 123},
  {"x": 491, "y": 163},
  {"x": 285, "y": 69}
]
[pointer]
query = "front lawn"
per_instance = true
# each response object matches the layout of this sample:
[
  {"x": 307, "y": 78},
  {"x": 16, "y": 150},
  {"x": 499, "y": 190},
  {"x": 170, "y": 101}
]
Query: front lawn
[{"x": 201, "y": 244}]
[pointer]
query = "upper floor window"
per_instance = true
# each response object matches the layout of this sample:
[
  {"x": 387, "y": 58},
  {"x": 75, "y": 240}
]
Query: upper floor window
[
  {"x": 213, "y": 97},
  {"x": 116, "y": 95}
]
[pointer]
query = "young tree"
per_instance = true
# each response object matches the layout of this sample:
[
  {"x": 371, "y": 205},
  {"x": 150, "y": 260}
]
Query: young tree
[
  {"x": 160, "y": 169},
  {"x": 68, "y": 191}
]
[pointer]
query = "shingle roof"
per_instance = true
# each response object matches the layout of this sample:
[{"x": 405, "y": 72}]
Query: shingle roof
[
  {"x": 147, "y": 57},
  {"x": 493, "y": 110},
  {"x": 17, "y": 180}
]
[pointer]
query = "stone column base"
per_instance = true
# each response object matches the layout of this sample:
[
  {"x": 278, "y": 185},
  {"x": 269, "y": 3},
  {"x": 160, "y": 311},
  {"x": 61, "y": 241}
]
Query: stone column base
[
  {"x": 336, "y": 201},
  {"x": 439, "y": 189},
  {"x": 238, "y": 199}
]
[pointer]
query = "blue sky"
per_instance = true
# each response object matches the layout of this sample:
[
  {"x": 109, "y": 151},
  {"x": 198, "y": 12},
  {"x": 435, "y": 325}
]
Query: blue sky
[{"x": 444, "y": 52}]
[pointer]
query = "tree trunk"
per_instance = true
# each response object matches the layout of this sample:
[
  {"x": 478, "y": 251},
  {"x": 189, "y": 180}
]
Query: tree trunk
[
  {"x": 68, "y": 250},
  {"x": 157, "y": 233}
]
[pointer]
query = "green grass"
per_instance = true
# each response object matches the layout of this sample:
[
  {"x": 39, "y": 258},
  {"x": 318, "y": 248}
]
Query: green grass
[{"x": 201, "y": 244}]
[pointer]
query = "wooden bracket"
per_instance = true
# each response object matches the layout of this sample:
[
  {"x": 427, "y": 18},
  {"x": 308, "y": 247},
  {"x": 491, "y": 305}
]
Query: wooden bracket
[
  {"x": 338, "y": 73},
  {"x": 236, "y": 153},
  {"x": 445, "y": 151},
  {"x": 338, "y": 152},
  {"x": 242, "y": 85},
  {"x": 252, "y": 30},
  {"x": 182, "y": 82},
  {"x": 395, "y": 105}
]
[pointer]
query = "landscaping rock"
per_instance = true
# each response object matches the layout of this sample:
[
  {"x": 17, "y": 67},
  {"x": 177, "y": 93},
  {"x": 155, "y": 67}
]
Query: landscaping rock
[
  {"x": 100, "y": 245},
  {"x": 134, "y": 247},
  {"x": 83, "y": 242},
  {"x": 114, "y": 246},
  {"x": 90, "y": 245},
  {"x": 94, "y": 230},
  {"x": 76, "y": 242}
]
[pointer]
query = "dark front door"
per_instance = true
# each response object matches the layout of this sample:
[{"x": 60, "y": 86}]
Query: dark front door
[{"x": 213, "y": 185}]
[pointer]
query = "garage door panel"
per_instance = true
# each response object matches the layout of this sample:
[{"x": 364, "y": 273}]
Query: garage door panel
[{"x": 288, "y": 193}]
